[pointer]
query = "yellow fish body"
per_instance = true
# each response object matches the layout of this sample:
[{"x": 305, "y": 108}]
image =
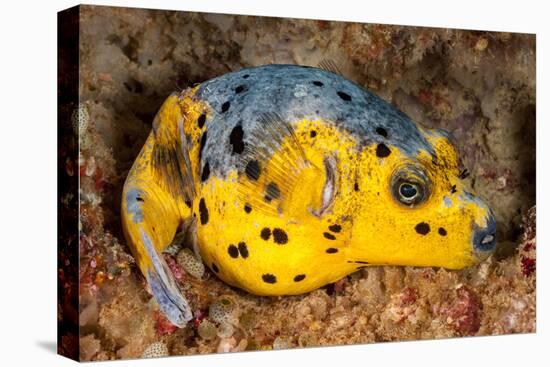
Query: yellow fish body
[{"x": 291, "y": 177}]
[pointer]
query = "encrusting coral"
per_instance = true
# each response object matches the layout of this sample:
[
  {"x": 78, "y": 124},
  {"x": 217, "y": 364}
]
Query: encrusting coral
[{"x": 155, "y": 350}]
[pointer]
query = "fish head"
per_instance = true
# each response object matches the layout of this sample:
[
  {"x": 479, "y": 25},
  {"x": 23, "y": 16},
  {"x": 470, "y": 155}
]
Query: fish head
[{"x": 415, "y": 209}]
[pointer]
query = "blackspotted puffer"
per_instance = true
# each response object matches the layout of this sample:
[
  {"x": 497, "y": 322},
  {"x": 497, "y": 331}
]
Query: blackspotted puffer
[{"x": 286, "y": 178}]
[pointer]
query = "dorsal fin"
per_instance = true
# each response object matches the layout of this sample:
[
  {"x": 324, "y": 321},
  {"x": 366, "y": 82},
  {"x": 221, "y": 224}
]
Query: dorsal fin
[
  {"x": 271, "y": 164},
  {"x": 329, "y": 65},
  {"x": 170, "y": 161}
]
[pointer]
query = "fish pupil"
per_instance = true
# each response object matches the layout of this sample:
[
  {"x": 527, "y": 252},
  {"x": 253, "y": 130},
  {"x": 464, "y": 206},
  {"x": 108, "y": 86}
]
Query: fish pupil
[{"x": 408, "y": 191}]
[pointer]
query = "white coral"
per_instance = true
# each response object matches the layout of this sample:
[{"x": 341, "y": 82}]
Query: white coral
[
  {"x": 190, "y": 263},
  {"x": 155, "y": 350}
]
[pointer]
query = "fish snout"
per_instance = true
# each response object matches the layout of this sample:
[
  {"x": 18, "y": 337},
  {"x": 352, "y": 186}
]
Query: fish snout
[{"x": 484, "y": 238}]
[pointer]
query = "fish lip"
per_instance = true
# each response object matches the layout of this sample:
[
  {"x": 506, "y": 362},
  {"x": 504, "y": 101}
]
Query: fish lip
[{"x": 484, "y": 239}]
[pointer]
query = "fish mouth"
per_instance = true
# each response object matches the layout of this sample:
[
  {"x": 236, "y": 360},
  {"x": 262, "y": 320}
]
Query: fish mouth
[{"x": 484, "y": 238}]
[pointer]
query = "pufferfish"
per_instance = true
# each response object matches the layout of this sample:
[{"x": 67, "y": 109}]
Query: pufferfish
[{"x": 286, "y": 178}]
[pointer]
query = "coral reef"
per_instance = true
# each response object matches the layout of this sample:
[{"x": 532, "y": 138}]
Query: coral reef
[{"x": 478, "y": 85}]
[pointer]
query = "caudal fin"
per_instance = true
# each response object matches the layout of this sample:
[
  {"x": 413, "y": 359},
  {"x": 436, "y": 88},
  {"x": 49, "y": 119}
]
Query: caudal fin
[
  {"x": 165, "y": 290},
  {"x": 157, "y": 198}
]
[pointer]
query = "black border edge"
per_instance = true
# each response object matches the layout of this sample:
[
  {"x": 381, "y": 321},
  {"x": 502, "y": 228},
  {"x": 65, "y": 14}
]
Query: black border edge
[{"x": 68, "y": 29}]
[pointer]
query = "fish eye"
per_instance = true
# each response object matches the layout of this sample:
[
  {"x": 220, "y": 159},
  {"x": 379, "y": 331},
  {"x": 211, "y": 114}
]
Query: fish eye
[{"x": 410, "y": 186}]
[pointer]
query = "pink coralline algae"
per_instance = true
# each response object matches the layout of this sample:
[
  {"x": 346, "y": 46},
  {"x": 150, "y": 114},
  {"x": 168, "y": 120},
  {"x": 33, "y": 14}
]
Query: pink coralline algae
[
  {"x": 402, "y": 306},
  {"x": 408, "y": 296},
  {"x": 173, "y": 265},
  {"x": 200, "y": 315},
  {"x": 464, "y": 314},
  {"x": 528, "y": 266},
  {"x": 528, "y": 246},
  {"x": 163, "y": 326}
]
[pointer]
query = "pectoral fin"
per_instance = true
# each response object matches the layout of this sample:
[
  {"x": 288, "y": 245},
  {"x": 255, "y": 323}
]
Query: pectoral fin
[
  {"x": 273, "y": 167},
  {"x": 170, "y": 162}
]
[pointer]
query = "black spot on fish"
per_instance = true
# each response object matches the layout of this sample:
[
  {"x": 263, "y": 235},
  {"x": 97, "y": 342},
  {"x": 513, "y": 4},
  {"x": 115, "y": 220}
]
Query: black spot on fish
[
  {"x": 331, "y": 250},
  {"x": 346, "y": 97},
  {"x": 335, "y": 228},
  {"x": 272, "y": 192},
  {"x": 225, "y": 106},
  {"x": 233, "y": 251},
  {"x": 236, "y": 139},
  {"x": 381, "y": 131},
  {"x": 356, "y": 186},
  {"x": 203, "y": 212},
  {"x": 245, "y": 76},
  {"x": 205, "y": 172},
  {"x": 382, "y": 150},
  {"x": 188, "y": 203},
  {"x": 280, "y": 236},
  {"x": 318, "y": 83},
  {"x": 247, "y": 208},
  {"x": 464, "y": 174},
  {"x": 215, "y": 268},
  {"x": 140, "y": 199},
  {"x": 201, "y": 120},
  {"x": 329, "y": 236},
  {"x": 422, "y": 228},
  {"x": 312, "y": 133},
  {"x": 202, "y": 144},
  {"x": 299, "y": 277},
  {"x": 252, "y": 170},
  {"x": 243, "y": 250},
  {"x": 239, "y": 89},
  {"x": 269, "y": 278},
  {"x": 442, "y": 231},
  {"x": 265, "y": 233},
  {"x": 453, "y": 189}
]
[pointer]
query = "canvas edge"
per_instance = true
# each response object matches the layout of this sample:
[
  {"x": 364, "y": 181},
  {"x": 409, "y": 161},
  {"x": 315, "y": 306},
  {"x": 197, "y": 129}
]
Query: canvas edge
[{"x": 68, "y": 27}]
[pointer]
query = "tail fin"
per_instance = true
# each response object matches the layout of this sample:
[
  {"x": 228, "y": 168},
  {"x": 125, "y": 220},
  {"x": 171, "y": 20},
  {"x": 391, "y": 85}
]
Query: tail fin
[
  {"x": 157, "y": 197},
  {"x": 164, "y": 288}
]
